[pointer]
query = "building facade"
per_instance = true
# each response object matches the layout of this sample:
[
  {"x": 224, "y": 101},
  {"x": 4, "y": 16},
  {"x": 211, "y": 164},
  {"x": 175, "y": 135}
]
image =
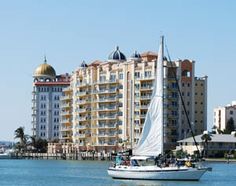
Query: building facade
[
  {"x": 223, "y": 114},
  {"x": 218, "y": 146},
  {"x": 47, "y": 90},
  {"x": 107, "y": 101}
]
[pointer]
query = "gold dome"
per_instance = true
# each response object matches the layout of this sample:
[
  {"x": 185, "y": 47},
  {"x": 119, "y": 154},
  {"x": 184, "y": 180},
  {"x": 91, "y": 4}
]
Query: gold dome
[{"x": 45, "y": 70}]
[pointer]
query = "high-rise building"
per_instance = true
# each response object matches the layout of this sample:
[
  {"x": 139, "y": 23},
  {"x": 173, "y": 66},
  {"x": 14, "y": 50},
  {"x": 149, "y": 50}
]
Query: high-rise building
[
  {"x": 47, "y": 90},
  {"x": 223, "y": 114},
  {"x": 108, "y": 101}
]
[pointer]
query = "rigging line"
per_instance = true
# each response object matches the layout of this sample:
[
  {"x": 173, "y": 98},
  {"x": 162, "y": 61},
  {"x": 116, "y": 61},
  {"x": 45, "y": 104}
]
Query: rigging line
[{"x": 182, "y": 101}]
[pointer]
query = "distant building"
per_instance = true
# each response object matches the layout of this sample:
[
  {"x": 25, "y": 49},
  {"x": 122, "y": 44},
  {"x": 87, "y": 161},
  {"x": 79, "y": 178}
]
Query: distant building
[
  {"x": 223, "y": 114},
  {"x": 217, "y": 146},
  {"x": 104, "y": 107},
  {"x": 47, "y": 90}
]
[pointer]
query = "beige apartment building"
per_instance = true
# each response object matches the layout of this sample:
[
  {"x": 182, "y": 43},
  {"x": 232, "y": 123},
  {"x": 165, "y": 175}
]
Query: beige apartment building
[{"x": 104, "y": 107}]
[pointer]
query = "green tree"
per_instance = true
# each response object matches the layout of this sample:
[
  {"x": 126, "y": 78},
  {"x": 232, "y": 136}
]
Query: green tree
[
  {"x": 206, "y": 138},
  {"x": 181, "y": 154},
  {"x": 38, "y": 144},
  {"x": 22, "y": 144},
  {"x": 229, "y": 126}
]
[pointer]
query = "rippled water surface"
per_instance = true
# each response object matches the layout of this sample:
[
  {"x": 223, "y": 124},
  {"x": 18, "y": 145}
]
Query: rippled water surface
[{"x": 63, "y": 173}]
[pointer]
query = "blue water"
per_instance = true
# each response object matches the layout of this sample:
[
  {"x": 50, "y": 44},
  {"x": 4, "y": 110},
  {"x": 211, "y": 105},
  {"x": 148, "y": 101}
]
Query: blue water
[{"x": 63, "y": 173}]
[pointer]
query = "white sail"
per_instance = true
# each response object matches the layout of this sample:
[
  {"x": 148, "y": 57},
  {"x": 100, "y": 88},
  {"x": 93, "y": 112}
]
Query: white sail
[{"x": 151, "y": 141}]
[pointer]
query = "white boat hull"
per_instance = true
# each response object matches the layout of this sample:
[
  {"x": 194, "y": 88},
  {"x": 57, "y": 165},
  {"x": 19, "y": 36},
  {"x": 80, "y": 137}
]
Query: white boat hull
[{"x": 156, "y": 173}]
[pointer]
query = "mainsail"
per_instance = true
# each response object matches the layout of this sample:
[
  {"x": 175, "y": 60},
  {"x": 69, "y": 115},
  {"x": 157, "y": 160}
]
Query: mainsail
[{"x": 151, "y": 141}]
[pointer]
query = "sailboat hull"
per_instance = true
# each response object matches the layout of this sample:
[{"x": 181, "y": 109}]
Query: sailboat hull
[{"x": 156, "y": 173}]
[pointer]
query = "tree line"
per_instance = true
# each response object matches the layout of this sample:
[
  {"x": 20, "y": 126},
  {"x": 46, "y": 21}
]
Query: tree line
[{"x": 27, "y": 143}]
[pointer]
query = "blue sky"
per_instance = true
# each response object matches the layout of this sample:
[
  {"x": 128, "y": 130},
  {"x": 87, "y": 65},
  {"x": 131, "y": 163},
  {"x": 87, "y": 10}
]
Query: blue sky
[{"x": 71, "y": 31}]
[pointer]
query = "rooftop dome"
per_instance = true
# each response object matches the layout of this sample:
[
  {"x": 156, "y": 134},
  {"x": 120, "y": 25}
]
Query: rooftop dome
[
  {"x": 83, "y": 65},
  {"x": 45, "y": 70},
  {"x": 135, "y": 55},
  {"x": 117, "y": 55}
]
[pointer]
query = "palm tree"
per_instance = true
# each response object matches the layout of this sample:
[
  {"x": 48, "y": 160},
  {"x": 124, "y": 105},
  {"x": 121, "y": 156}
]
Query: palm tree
[
  {"x": 33, "y": 142},
  {"x": 20, "y": 134},
  {"x": 206, "y": 137}
]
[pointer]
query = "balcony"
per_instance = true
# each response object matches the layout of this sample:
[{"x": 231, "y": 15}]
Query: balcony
[
  {"x": 81, "y": 126},
  {"x": 107, "y": 81},
  {"x": 106, "y": 91},
  {"x": 142, "y": 115},
  {"x": 144, "y": 107},
  {"x": 84, "y": 118},
  {"x": 81, "y": 102},
  {"x": 102, "y": 108},
  {"x": 82, "y": 84},
  {"x": 66, "y": 120},
  {"x": 106, "y": 143},
  {"x": 67, "y": 89},
  {"x": 108, "y": 126},
  {"x": 107, "y": 99},
  {"x": 81, "y": 110},
  {"x": 107, "y": 135},
  {"x": 148, "y": 77},
  {"x": 81, "y": 135},
  {"x": 107, "y": 117},
  {"x": 146, "y": 97},
  {"x": 83, "y": 93},
  {"x": 65, "y": 105},
  {"x": 65, "y": 113},
  {"x": 64, "y": 129},
  {"x": 63, "y": 98},
  {"x": 147, "y": 87},
  {"x": 66, "y": 136}
]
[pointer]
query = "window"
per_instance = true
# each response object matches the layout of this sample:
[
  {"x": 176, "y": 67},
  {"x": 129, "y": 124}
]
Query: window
[
  {"x": 147, "y": 73},
  {"x": 137, "y": 86},
  {"x": 113, "y": 77},
  {"x": 231, "y": 112},
  {"x": 137, "y": 74},
  {"x": 121, "y": 76},
  {"x": 102, "y": 78}
]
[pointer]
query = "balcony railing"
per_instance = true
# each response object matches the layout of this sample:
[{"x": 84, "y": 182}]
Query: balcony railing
[
  {"x": 65, "y": 98},
  {"x": 81, "y": 135},
  {"x": 107, "y": 81},
  {"x": 144, "y": 106},
  {"x": 82, "y": 126},
  {"x": 147, "y": 87},
  {"x": 107, "y": 116},
  {"x": 65, "y": 113},
  {"x": 146, "y": 97},
  {"x": 84, "y": 101},
  {"x": 107, "y": 135},
  {"x": 107, "y": 125},
  {"x": 66, "y": 128},
  {"x": 66, "y": 120},
  {"x": 107, "y": 108},
  {"x": 65, "y": 105},
  {"x": 84, "y": 118},
  {"x": 107, "y": 99}
]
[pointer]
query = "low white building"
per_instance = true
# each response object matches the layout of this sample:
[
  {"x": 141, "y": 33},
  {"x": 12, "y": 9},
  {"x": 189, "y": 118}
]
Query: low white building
[
  {"x": 217, "y": 146},
  {"x": 223, "y": 114}
]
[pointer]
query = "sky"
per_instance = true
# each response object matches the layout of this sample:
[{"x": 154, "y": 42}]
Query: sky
[{"x": 68, "y": 32}]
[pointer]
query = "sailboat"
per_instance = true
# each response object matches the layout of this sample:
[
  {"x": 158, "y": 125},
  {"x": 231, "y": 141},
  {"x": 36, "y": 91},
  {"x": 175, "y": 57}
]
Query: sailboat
[{"x": 151, "y": 144}]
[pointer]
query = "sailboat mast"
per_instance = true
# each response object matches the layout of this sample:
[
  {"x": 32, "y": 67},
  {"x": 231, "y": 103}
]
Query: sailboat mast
[{"x": 163, "y": 93}]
